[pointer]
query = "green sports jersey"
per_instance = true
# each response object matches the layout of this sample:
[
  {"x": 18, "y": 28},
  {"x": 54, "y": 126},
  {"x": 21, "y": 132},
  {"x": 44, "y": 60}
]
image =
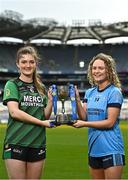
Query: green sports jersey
[{"x": 30, "y": 101}]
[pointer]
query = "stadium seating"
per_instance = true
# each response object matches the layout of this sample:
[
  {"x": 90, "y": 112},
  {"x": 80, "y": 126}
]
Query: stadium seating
[{"x": 60, "y": 63}]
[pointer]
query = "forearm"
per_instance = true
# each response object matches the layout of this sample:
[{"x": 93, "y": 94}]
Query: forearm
[
  {"x": 108, "y": 123},
  {"x": 104, "y": 124},
  {"x": 23, "y": 116},
  {"x": 80, "y": 110},
  {"x": 48, "y": 109}
]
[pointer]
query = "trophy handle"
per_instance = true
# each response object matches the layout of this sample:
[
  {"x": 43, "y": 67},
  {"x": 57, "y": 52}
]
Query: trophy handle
[{"x": 54, "y": 98}]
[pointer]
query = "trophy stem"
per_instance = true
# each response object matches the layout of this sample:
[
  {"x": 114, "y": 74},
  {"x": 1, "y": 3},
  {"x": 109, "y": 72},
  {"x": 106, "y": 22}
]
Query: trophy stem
[{"x": 63, "y": 108}]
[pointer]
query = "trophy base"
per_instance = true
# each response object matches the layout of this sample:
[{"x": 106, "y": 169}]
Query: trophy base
[{"x": 62, "y": 119}]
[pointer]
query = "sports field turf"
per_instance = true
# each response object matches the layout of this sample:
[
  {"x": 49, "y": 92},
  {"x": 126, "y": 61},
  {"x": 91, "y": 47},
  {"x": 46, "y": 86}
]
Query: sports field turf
[{"x": 66, "y": 153}]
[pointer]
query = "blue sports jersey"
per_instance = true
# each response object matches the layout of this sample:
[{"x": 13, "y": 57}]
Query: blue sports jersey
[{"x": 103, "y": 142}]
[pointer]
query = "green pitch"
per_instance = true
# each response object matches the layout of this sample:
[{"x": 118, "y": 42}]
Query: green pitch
[{"x": 66, "y": 153}]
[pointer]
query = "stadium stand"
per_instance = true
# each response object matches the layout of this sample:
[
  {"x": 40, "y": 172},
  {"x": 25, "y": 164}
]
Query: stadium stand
[
  {"x": 65, "y": 59},
  {"x": 60, "y": 63}
]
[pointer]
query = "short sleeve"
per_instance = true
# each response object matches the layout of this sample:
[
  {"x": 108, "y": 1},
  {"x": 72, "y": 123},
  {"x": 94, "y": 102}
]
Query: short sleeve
[
  {"x": 115, "y": 99},
  {"x": 10, "y": 92}
]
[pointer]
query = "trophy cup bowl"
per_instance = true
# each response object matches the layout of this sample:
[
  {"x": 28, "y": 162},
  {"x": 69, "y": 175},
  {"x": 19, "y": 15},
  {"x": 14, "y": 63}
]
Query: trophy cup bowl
[{"x": 62, "y": 93}]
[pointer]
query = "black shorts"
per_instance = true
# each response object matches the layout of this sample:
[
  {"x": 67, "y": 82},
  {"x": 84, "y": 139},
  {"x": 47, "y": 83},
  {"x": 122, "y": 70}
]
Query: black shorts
[
  {"x": 106, "y": 161},
  {"x": 22, "y": 153}
]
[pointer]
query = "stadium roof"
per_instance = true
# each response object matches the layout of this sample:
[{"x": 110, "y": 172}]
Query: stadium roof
[{"x": 27, "y": 31}]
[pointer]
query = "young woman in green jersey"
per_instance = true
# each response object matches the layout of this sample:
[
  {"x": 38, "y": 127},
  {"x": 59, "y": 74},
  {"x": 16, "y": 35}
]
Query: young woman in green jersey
[{"x": 29, "y": 109}]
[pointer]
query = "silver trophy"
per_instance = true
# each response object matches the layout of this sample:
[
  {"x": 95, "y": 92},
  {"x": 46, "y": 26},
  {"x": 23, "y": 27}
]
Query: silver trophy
[{"x": 63, "y": 113}]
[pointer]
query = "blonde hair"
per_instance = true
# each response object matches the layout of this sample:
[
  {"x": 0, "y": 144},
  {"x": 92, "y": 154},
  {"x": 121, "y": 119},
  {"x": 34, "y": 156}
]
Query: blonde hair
[
  {"x": 110, "y": 68},
  {"x": 36, "y": 77}
]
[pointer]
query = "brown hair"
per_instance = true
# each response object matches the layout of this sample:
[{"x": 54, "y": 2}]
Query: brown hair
[
  {"x": 110, "y": 67},
  {"x": 36, "y": 77}
]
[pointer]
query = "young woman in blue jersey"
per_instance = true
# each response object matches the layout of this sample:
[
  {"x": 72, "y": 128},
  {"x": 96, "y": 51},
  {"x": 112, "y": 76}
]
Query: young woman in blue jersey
[
  {"x": 100, "y": 112},
  {"x": 28, "y": 105}
]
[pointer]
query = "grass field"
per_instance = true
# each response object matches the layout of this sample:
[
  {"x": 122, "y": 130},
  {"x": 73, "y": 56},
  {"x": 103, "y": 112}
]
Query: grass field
[{"x": 66, "y": 153}]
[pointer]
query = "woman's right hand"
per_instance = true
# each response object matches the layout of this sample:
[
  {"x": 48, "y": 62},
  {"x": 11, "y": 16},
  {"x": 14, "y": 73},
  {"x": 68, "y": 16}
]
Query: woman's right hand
[
  {"x": 79, "y": 124},
  {"x": 49, "y": 123}
]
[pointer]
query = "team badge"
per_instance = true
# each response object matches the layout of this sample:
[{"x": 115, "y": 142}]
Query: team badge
[
  {"x": 7, "y": 92},
  {"x": 31, "y": 88}
]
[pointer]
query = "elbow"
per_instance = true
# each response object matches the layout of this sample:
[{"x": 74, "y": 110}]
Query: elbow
[
  {"x": 110, "y": 125},
  {"x": 14, "y": 114}
]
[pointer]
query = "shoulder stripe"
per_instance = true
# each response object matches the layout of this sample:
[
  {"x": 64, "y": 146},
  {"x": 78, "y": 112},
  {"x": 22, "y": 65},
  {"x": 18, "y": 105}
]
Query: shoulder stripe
[
  {"x": 114, "y": 105},
  {"x": 11, "y": 99}
]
